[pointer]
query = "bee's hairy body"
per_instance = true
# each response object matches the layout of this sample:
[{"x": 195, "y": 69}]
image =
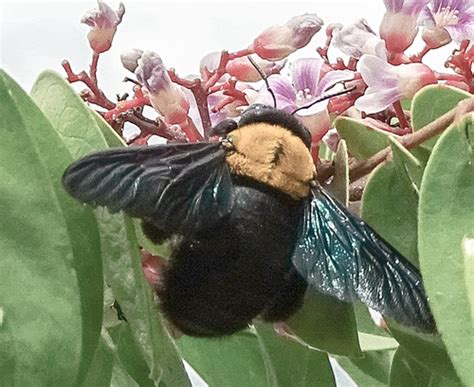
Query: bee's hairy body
[
  {"x": 251, "y": 227},
  {"x": 234, "y": 256}
]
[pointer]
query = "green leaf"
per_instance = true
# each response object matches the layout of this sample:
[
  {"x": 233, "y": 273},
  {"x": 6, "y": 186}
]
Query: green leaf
[
  {"x": 228, "y": 361},
  {"x": 327, "y": 324},
  {"x": 406, "y": 371},
  {"x": 446, "y": 218},
  {"x": 431, "y": 103},
  {"x": 339, "y": 185},
  {"x": 293, "y": 364},
  {"x": 257, "y": 357},
  {"x": 373, "y": 369},
  {"x": 100, "y": 372},
  {"x": 427, "y": 349},
  {"x": 120, "y": 377},
  {"x": 467, "y": 246},
  {"x": 111, "y": 137},
  {"x": 365, "y": 324},
  {"x": 78, "y": 127},
  {"x": 129, "y": 354},
  {"x": 439, "y": 381},
  {"x": 362, "y": 140},
  {"x": 390, "y": 201},
  {"x": 48, "y": 334},
  {"x": 369, "y": 342}
]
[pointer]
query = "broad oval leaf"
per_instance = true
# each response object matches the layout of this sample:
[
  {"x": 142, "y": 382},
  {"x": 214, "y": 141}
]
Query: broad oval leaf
[
  {"x": 326, "y": 324},
  {"x": 432, "y": 102},
  {"x": 405, "y": 371},
  {"x": 79, "y": 129},
  {"x": 446, "y": 218},
  {"x": 257, "y": 357},
  {"x": 362, "y": 140},
  {"x": 390, "y": 202},
  {"x": 43, "y": 307}
]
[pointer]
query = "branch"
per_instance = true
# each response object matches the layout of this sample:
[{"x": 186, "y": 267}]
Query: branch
[
  {"x": 148, "y": 127},
  {"x": 361, "y": 168},
  {"x": 97, "y": 97}
]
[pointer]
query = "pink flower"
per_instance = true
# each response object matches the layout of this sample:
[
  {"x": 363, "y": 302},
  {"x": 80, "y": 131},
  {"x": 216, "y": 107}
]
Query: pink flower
[
  {"x": 130, "y": 59},
  {"x": 444, "y": 20},
  {"x": 387, "y": 83},
  {"x": 104, "y": 22},
  {"x": 165, "y": 96},
  {"x": 358, "y": 39},
  {"x": 398, "y": 27},
  {"x": 277, "y": 42},
  {"x": 306, "y": 86}
]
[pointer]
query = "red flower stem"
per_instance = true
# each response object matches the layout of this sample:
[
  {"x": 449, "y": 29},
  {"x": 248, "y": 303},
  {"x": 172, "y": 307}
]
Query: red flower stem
[
  {"x": 450, "y": 77},
  {"x": 352, "y": 64},
  {"x": 201, "y": 89},
  {"x": 418, "y": 57},
  {"x": 401, "y": 115},
  {"x": 191, "y": 131},
  {"x": 222, "y": 104},
  {"x": 219, "y": 72},
  {"x": 240, "y": 53},
  {"x": 200, "y": 95},
  {"x": 93, "y": 68},
  {"x": 98, "y": 97},
  {"x": 323, "y": 51},
  {"x": 124, "y": 106},
  {"x": 221, "y": 68}
]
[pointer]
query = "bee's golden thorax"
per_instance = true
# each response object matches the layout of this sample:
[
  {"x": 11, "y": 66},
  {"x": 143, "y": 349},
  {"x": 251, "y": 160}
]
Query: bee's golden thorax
[{"x": 272, "y": 155}]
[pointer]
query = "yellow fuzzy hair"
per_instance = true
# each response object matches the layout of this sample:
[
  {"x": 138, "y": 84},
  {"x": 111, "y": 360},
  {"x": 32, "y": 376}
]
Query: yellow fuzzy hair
[{"x": 272, "y": 155}]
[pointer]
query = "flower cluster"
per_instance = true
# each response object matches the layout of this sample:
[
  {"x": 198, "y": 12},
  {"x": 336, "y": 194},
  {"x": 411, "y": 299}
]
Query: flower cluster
[{"x": 370, "y": 83}]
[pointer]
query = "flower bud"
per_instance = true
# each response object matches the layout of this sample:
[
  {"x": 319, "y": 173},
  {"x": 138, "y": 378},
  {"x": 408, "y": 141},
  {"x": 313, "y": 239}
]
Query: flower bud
[
  {"x": 413, "y": 77},
  {"x": 435, "y": 37},
  {"x": 165, "y": 96},
  {"x": 104, "y": 22},
  {"x": 398, "y": 27},
  {"x": 358, "y": 39},
  {"x": 277, "y": 42},
  {"x": 130, "y": 59},
  {"x": 243, "y": 70}
]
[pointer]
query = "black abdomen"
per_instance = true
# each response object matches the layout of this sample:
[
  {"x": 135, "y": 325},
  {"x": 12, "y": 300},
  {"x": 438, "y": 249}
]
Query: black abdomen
[{"x": 226, "y": 276}]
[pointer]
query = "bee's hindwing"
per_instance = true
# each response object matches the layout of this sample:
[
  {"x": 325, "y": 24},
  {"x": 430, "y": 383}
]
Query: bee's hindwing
[{"x": 342, "y": 256}]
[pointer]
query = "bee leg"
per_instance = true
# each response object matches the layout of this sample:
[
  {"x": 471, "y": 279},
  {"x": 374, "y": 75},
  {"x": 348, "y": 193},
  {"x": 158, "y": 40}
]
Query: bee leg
[
  {"x": 288, "y": 300},
  {"x": 154, "y": 234}
]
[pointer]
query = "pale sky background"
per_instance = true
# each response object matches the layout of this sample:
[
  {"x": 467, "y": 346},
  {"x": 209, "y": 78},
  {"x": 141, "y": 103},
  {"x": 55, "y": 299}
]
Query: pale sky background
[{"x": 38, "y": 35}]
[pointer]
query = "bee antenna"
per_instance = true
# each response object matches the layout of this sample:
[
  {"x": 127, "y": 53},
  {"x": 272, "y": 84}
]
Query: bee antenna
[
  {"x": 325, "y": 97},
  {"x": 265, "y": 79}
]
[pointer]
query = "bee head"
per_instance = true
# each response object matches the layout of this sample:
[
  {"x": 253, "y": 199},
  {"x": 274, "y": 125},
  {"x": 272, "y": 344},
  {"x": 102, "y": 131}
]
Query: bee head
[{"x": 260, "y": 113}]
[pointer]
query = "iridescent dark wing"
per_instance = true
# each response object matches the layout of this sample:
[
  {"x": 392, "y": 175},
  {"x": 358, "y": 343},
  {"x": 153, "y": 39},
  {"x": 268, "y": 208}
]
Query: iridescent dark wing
[
  {"x": 342, "y": 256},
  {"x": 180, "y": 188}
]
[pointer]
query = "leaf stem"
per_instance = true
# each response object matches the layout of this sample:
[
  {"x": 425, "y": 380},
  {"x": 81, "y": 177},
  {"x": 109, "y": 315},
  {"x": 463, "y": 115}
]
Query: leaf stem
[{"x": 412, "y": 140}]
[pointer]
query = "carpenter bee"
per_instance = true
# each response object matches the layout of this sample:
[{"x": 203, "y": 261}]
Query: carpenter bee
[{"x": 255, "y": 228}]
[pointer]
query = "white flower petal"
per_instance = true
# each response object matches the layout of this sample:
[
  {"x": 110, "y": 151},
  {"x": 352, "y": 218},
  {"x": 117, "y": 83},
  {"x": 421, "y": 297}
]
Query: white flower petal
[
  {"x": 377, "y": 73},
  {"x": 374, "y": 101}
]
